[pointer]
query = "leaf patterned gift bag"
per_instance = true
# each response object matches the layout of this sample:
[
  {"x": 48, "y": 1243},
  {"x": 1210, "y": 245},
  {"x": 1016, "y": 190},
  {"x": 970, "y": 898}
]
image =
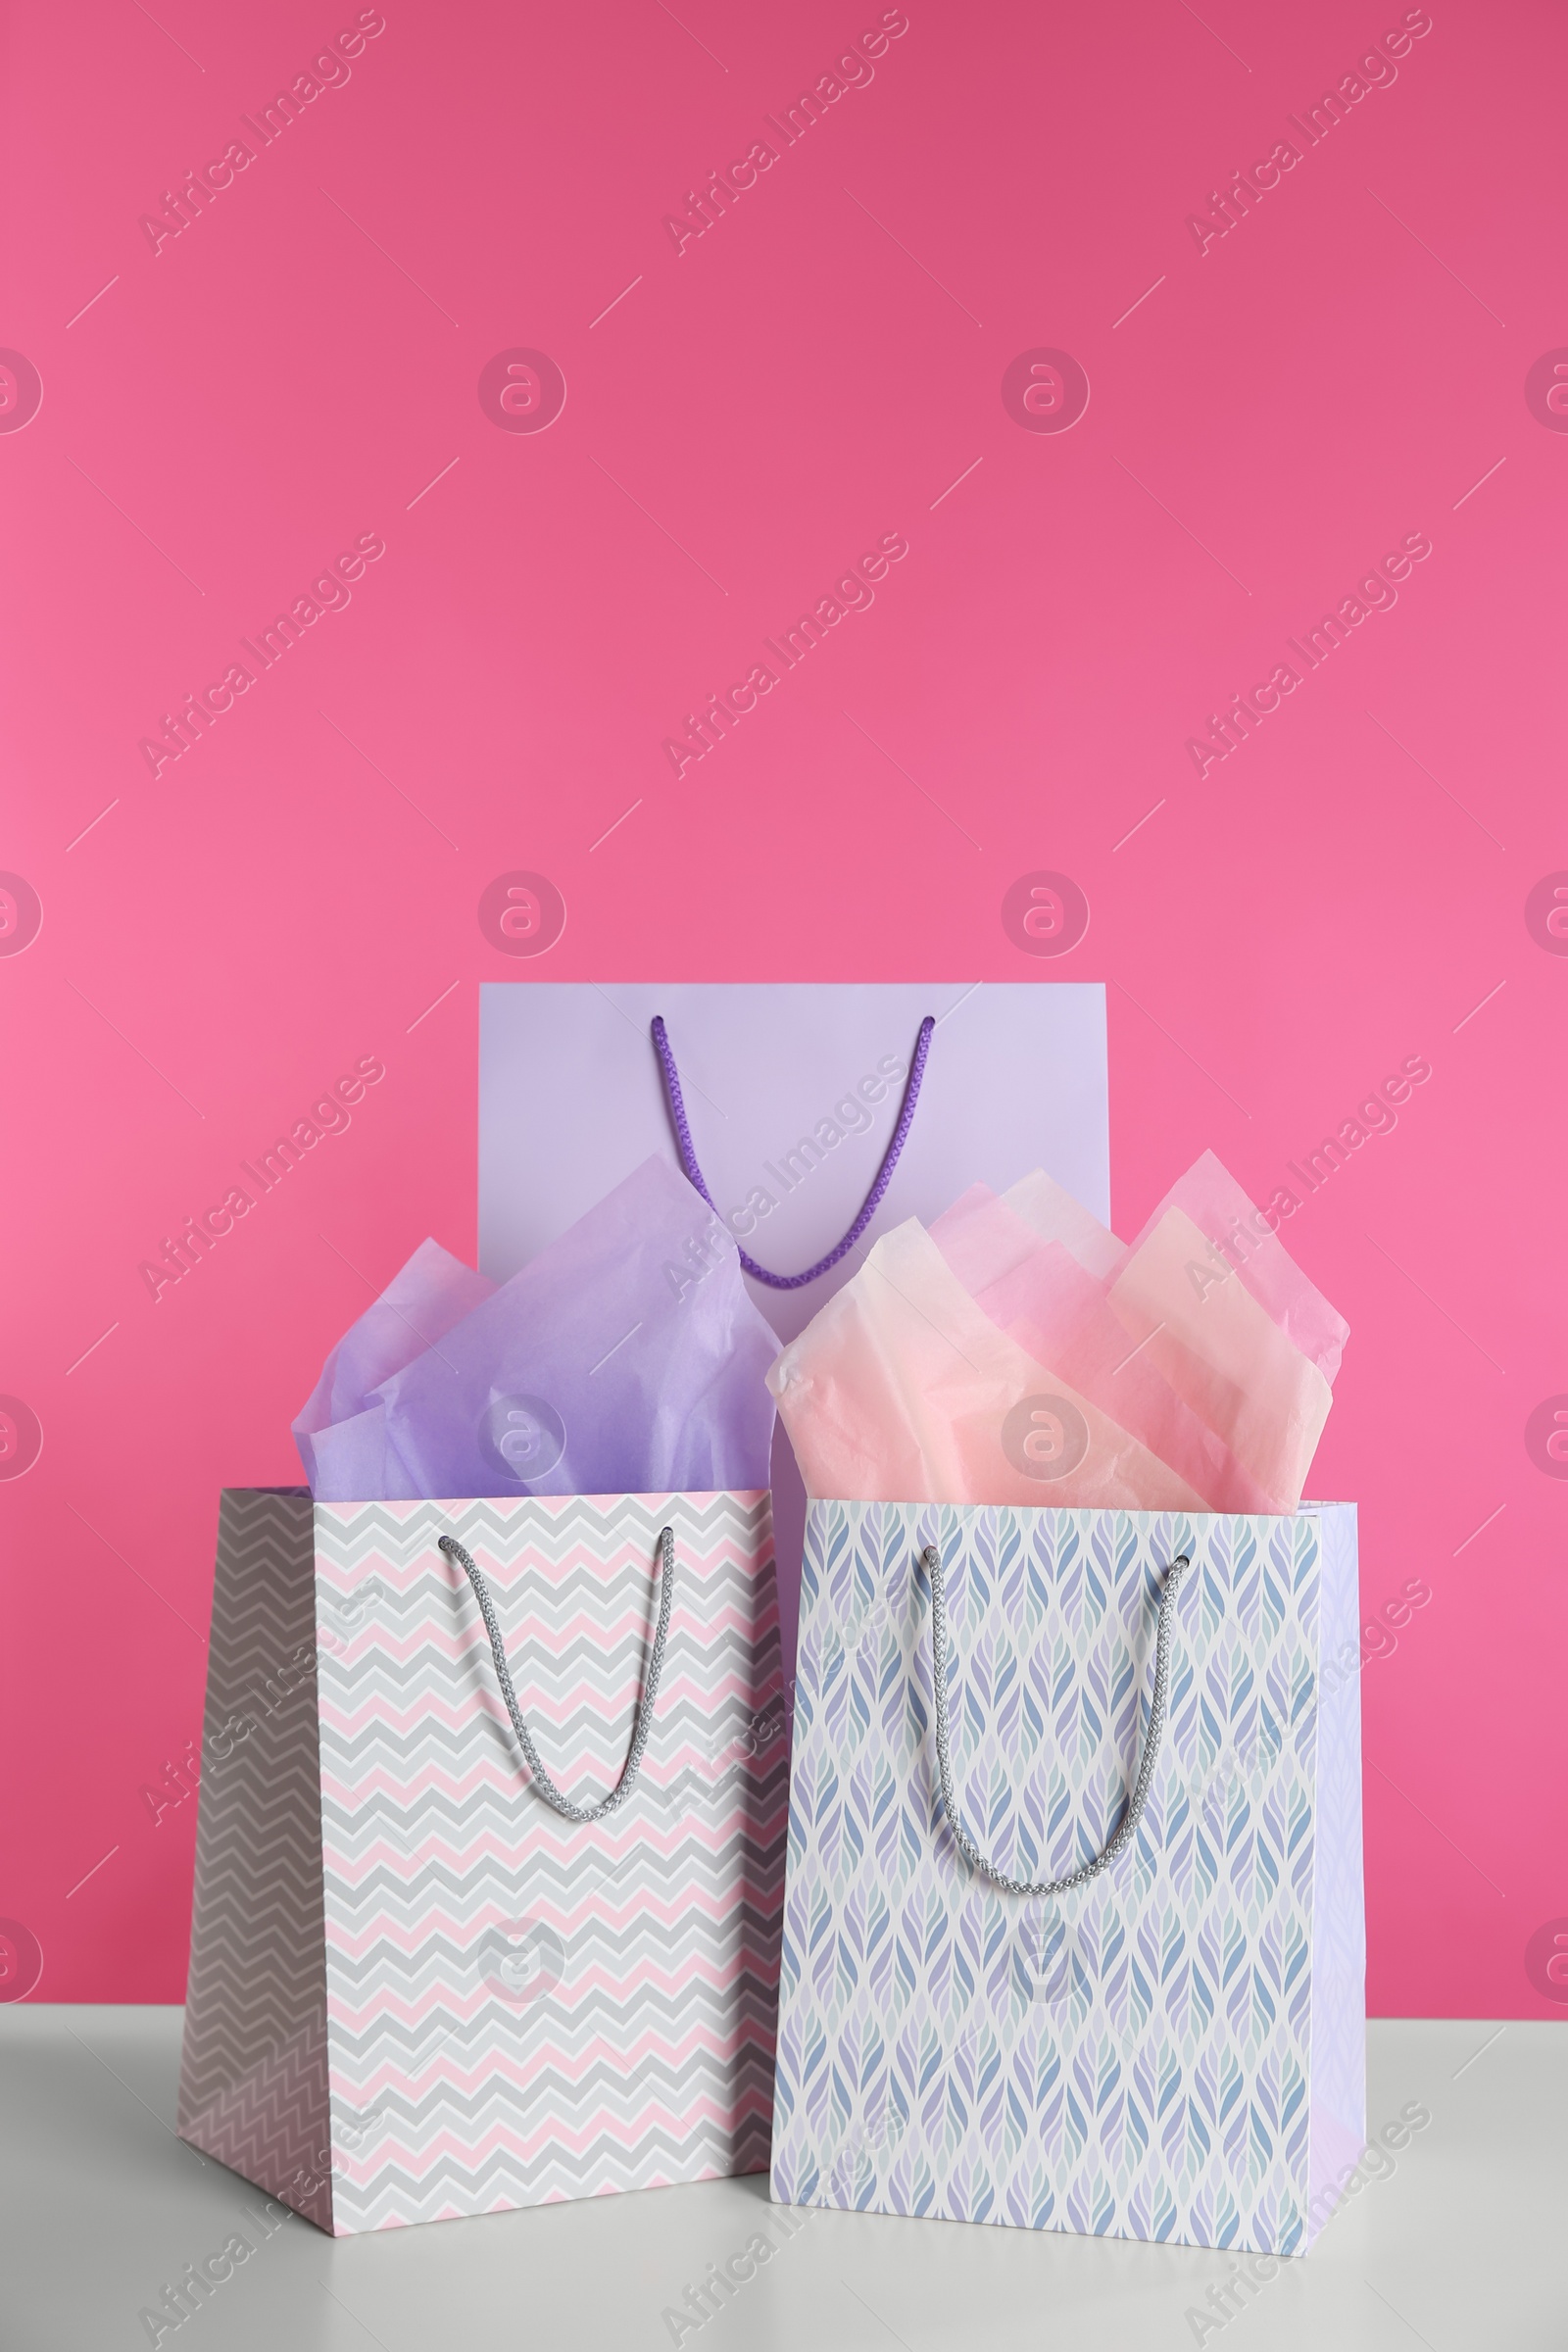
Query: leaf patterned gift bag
[{"x": 1081, "y": 1947}]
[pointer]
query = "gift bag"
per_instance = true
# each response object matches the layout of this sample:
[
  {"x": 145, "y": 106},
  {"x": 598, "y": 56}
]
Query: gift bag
[
  {"x": 792, "y": 1101},
  {"x": 486, "y": 1909},
  {"x": 1073, "y": 1936}
]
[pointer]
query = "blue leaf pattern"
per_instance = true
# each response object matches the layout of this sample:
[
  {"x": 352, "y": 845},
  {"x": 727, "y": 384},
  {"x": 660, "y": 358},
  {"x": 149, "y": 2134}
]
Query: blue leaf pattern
[{"x": 1133, "y": 2059}]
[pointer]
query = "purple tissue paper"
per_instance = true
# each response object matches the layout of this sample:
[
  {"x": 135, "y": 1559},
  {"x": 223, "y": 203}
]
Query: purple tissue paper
[{"x": 627, "y": 1357}]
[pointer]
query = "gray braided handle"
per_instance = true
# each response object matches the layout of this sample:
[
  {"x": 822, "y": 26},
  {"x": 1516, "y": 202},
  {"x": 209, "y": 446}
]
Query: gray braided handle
[
  {"x": 1146, "y": 1769},
  {"x": 645, "y": 1705}
]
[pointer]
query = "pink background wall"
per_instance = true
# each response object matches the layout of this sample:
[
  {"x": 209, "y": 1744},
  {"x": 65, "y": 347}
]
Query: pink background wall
[{"x": 1366, "y": 879}]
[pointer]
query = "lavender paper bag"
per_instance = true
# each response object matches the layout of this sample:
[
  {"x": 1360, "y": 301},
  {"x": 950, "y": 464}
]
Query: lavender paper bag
[{"x": 627, "y": 1357}]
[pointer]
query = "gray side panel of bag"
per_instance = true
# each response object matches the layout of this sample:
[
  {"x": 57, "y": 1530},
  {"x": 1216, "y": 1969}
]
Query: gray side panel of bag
[{"x": 253, "y": 2084}]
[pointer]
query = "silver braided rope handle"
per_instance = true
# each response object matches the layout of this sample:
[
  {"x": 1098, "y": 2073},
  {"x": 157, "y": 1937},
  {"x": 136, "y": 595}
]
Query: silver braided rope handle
[
  {"x": 645, "y": 1705},
  {"x": 1146, "y": 1769}
]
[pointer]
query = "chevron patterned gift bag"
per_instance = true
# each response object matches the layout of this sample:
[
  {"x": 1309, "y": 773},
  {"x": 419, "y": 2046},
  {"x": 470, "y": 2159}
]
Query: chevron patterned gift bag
[
  {"x": 1080, "y": 1947},
  {"x": 419, "y": 1986}
]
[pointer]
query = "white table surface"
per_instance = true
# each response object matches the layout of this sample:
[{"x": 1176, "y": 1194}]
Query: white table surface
[{"x": 1461, "y": 2247}]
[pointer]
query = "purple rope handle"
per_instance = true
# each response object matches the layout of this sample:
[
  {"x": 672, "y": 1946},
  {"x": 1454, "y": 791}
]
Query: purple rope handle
[{"x": 873, "y": 1198}]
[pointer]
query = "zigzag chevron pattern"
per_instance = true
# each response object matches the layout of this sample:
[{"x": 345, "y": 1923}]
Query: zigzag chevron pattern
[
  {"x": 253, "y": 2082},
  {"x": 522, "y": 2008},
  {"x": 1170, "y": 2052},
  {"x": 415, "y": 1991}
]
